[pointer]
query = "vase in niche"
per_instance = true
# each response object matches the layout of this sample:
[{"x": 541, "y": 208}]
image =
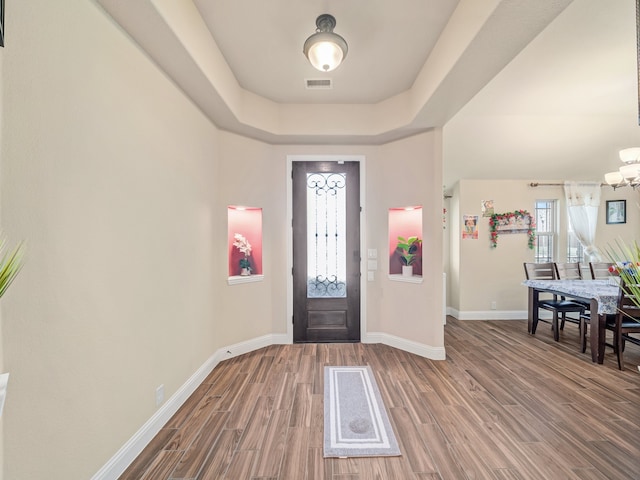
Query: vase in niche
[
  {"x": 245, "y": 267},
  {"x": 407, "y": 270}
]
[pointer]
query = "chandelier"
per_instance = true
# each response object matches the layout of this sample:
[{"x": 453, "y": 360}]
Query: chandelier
[{"x": 629, "y": 173}]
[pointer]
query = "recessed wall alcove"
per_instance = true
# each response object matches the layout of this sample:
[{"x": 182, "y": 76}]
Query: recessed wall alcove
[
  {"x": 244, "y": 244},
  {"x": 405, "y": 222}
]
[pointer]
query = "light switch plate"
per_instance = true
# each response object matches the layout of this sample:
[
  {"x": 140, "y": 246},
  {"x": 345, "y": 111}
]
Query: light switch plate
[
  {"x": 372, "y": 264},
  {"x": 372, "y": 253}
]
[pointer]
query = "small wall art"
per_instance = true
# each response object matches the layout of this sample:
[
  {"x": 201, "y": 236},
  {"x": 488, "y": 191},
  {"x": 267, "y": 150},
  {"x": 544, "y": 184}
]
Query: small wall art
[
  {"x": 470, "y": 227},
  {"x": 616, "y": 211},
  {"x": 487, "y": 208}
]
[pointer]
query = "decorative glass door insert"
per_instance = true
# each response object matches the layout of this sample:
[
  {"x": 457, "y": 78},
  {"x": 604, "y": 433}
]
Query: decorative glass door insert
[{"x": 326, "y": 235}]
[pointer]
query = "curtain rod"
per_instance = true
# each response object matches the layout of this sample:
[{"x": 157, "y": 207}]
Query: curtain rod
[{"x": 539, "y": 184}]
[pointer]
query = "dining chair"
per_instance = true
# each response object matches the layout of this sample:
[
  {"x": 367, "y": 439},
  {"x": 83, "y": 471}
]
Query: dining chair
[
  {"x": 573, "y": 271},
  {"x": 557, "y": 306},
  {"x": 625, "y": 323},
  {"x": 600, "y": 270}
]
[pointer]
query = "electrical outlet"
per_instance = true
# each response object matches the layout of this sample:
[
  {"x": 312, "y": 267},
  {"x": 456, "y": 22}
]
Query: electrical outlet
[
  {"x": 159, "y": 395},
  {"x": 493, "y": 305}
]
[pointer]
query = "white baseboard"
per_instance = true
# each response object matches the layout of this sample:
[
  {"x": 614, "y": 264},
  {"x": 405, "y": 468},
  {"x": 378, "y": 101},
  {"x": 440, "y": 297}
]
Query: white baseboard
[
  {"x": 134, "y": 446},
  {"x": 488, "y": 314},
  {"x": 433, "y": 353},
  {"x": 493, "y": 314}
]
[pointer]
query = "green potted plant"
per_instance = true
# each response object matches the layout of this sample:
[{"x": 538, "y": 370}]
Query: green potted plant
[
  {"x": 408, "y": 248},
  {"x": 10, "y": 264}
]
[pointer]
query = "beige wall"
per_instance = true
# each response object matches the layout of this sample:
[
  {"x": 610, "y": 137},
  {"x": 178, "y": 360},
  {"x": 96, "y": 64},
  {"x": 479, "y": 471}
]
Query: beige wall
[
  {"x": 251, "y": 176},
  {"x": 409, "y": 172},
  {"x": 481, "y": 275},
  {"x": 109, "y": 173}
]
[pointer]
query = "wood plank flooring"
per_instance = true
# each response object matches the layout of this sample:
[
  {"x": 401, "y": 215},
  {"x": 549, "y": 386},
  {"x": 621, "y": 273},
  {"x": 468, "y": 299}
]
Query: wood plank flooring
[{"x": 504, "y": 405}]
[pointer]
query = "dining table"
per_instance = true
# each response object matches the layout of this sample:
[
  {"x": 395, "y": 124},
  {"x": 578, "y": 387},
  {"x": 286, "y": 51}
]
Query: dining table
[{"x": 602, "y": 296}]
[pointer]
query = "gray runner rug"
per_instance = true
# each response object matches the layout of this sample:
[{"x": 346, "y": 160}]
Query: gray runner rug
[{"x": 355, "y": 420}]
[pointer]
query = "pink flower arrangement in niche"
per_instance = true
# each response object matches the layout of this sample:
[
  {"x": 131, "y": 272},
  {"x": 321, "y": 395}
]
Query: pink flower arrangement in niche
[{"x": 242, "y": 244}]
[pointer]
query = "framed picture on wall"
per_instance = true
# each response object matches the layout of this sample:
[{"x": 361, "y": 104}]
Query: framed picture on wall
[{"x": 616, "y": 211}]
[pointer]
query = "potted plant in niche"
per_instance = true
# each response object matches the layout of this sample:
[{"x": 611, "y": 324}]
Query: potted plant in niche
[
  {"x": 242, "y": 244},
  {"x": 408, "y": 250}
]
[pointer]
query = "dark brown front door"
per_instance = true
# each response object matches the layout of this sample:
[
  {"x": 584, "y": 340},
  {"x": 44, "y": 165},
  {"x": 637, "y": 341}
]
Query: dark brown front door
[{"x": 326, "y": 252}]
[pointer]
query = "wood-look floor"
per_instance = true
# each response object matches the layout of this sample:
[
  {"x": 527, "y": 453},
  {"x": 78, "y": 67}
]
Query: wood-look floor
[{"x": 504, "y": 405}]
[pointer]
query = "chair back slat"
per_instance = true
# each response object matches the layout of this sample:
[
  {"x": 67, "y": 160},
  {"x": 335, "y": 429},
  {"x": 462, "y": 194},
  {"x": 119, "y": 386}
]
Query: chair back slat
[
  {"x": 568, "y": 271},
  {"x": 540, "y": 271}
]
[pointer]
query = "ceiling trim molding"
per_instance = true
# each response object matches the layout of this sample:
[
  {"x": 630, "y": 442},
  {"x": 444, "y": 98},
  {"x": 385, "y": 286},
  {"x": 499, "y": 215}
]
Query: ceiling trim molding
[{"x": 478, "y": 41}]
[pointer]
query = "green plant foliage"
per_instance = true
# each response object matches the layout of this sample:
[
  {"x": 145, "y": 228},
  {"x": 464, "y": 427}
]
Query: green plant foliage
[
  {"x": 407, "y": 247},
  {"x": 10, "y": 264}
]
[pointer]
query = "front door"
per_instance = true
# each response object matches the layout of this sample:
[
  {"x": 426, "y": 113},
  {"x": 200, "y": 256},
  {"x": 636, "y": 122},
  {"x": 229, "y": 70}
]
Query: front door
[{"x": 326, "y": 252}]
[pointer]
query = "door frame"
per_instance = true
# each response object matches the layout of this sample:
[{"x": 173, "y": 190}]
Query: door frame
[{"x": 363, "y": 250}]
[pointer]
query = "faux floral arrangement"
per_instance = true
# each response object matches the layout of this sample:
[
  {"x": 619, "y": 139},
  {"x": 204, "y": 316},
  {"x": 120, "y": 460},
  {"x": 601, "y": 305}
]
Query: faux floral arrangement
[
  {"x": 407, "y": 247},
  {"x": 622, "y": 268},
  {"x": 519, "y": 215},
  {"x": 626, "y": 264},
  {"x": 242, "y": 244}
]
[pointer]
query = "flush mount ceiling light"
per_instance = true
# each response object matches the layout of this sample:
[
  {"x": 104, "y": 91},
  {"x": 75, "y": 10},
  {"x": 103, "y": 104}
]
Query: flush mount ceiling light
[
  {"x": 325, "y": 49},
  {"x": 629, "y": 173}
]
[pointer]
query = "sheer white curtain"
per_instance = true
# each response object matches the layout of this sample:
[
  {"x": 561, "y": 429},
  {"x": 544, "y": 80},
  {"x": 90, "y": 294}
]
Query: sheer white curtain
[{"x": 583, "y": 201}]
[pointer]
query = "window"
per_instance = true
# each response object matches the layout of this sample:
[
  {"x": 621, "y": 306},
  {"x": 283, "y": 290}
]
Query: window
[{"x": 545, "y": 213}]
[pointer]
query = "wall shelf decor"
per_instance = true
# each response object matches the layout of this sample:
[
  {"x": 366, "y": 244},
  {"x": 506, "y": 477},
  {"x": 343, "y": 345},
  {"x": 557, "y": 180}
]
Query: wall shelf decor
[{"x": 519, "y": 221}]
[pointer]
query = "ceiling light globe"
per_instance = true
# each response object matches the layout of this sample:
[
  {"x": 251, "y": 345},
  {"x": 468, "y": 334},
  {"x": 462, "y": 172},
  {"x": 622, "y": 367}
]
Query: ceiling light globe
[
  {"x": 631, "y": 171},
  {"x": 613, "y": 178},
  {"x": 324, "y": 54},
  {"x": 629, "y": 155}
]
